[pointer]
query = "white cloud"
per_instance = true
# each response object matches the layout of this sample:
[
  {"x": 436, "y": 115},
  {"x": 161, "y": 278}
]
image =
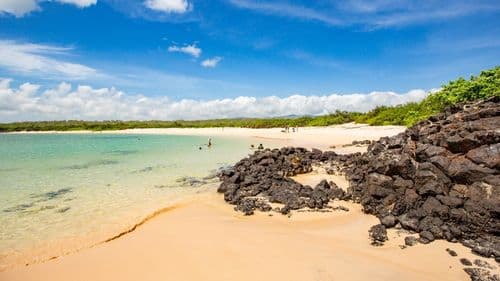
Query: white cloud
[
  {"x": 191, "y": 50},
  {"x": 28, "y": 102},
  {"x": 79, "y": 3},
  {"x": 18, "y": 8},
  {"x": 21, "y": 8},
  {"x": 211, "y": 63},
  {"x": 168, "y": 6},
  {"x": 41, "y": 60}
]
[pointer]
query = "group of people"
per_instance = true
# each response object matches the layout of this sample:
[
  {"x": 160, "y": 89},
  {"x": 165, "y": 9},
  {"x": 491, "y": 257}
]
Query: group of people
[
  {"x": 287, "y": 129},
  {"x": 260, "y": 147}
]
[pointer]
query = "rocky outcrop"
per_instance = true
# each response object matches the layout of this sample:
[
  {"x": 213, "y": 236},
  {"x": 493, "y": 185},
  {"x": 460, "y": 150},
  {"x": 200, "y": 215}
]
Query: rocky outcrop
[
  {"x": 263, "y": 178},
  {"x": 440, "y": 178}
]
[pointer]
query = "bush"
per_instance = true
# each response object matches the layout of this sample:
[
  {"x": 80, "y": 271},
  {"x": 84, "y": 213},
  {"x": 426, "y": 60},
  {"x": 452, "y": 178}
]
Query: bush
[{"x": 486, "y": 85}]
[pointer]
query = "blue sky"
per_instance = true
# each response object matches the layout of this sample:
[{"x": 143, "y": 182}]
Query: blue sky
[{"x": 223, "y": 49}]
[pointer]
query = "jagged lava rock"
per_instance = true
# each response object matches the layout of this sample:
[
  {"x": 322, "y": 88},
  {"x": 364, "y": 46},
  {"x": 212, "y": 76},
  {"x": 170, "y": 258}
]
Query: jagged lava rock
[{"x": 440, "y": 178}]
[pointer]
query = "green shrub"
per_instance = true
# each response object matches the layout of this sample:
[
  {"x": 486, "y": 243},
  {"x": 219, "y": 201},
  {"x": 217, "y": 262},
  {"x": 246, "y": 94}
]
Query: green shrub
[{"x": 486, "y": 85}]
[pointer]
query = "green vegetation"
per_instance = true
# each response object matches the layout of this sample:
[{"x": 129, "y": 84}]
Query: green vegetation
[
  {"x": 487, "y": 84},
  {"x": 338, "y": 117}
]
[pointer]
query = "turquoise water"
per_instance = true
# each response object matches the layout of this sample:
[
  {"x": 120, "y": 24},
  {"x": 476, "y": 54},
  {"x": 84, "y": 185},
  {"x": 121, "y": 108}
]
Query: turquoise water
[{"x": 60, "y": 192}]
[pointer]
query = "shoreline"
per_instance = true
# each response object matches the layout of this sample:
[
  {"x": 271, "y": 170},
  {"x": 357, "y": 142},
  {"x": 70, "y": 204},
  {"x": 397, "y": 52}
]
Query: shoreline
[
  {"x": 336, "y": 240},
  {"x": 208, "y": 212},
  {"x": 307, "y": 137},
  {"x": 322, "y": 138}
]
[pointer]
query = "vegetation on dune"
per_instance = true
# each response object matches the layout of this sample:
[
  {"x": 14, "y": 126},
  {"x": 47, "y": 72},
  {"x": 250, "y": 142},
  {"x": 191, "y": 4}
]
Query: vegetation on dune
[{"x": 487, "y": 84}]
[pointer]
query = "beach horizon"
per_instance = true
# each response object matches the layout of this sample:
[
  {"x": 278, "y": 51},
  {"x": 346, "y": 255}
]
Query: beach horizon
[{"x": 202, "y": 221}]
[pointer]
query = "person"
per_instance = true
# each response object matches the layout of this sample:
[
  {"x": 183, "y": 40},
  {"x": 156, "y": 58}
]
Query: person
[
  {"x": 209, "y": 142},
  {"x": 199, "y": 148}
]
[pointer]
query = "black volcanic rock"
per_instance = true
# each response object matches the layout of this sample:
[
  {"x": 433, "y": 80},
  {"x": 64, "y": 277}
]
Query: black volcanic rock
[
  {"x": 265, "y": 175},
  {"x": 439, "y": 178},
  {"x": 378, "y": 234},
  {"x": 450, "y": 188}
]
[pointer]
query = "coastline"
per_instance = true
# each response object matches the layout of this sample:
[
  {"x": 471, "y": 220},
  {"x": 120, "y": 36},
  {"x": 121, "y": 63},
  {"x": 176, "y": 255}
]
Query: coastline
[
  {"x": 179, "y": 241},
  {"x": 309, "y": 137},
  {"x": 203, "y": 227}
]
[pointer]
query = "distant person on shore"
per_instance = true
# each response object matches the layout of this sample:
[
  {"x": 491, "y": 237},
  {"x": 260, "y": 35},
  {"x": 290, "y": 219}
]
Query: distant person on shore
[{"x": 209, "y": 142}]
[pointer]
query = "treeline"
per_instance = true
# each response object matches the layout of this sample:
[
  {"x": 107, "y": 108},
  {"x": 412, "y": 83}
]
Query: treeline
[
  {"x": 338, "y": 117},
  {"x": 485, "y": 85}
]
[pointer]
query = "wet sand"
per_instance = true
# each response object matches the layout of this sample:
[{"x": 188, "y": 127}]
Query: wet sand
[{"x": 203, "y": 238}]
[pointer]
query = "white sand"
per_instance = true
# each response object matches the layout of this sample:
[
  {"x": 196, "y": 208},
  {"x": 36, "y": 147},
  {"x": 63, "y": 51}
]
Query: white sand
[
  {"x": 204, "y": 239},
  {"x": 310, "y": 137}
]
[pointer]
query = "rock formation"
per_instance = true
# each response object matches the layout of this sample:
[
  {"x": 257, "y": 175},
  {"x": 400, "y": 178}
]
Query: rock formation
[{"x": 439, "y": 178}]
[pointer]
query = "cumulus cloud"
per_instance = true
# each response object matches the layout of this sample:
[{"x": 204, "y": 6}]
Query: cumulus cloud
[
  {"x": 191, "y": 50},
  {"x": 20, "y": 8},
  {"x": 211, "y": 63},
  {"x": 168, "y": 6},
  {"x": 41, "y": 60},
  {"x": 29, "y": 102}
]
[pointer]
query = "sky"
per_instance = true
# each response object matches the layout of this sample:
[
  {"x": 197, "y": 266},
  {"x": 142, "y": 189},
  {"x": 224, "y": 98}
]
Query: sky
[{"x": 201, "y": 59}]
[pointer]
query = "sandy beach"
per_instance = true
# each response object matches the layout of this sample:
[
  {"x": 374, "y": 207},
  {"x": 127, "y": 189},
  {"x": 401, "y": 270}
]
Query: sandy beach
[
  {"x": 310, "y": 137},
  {"x": 203, "y": 238}
]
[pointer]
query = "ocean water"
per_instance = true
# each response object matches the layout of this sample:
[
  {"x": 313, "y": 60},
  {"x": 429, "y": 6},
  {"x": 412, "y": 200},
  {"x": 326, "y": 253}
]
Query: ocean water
[{"x": 62, "y": 192}]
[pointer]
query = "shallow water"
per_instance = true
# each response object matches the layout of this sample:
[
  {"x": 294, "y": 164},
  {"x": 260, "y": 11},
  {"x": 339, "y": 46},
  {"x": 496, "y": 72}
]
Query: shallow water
[{"x": 81, "y": 189}]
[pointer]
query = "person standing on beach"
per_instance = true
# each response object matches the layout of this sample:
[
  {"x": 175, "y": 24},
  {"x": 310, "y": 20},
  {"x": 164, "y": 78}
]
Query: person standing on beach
[{"x": 209, "y": 142}]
